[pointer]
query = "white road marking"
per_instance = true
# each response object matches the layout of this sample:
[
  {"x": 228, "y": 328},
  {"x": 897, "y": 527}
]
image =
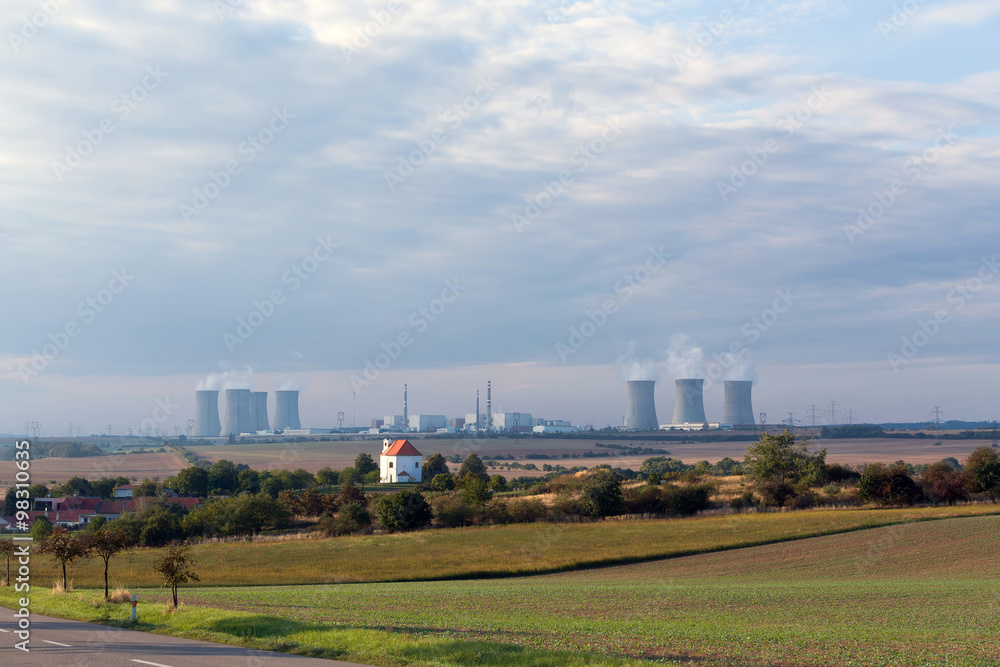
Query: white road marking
[
  {"x": 58, "y": 644},
  {"x": 2, "y": 630},
  {"x": 154, "y": 664}
]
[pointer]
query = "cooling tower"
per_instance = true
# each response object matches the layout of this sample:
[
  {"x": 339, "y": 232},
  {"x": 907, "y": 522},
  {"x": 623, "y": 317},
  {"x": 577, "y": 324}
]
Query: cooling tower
[
  {"x": 258, "y": 411},
  {"x": 737, "y": 409},
  {"x": 286, "y": 410},
  {"x": 206, "y": 415},
  {"x": 641, "y": 407},
  {"x": 690, "y": 406},
  {"x": 237, "y": 412}
]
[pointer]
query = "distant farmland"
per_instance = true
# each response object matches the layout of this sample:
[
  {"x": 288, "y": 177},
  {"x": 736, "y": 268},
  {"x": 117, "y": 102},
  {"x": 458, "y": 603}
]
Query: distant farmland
[{"x": 134, "y": 466}]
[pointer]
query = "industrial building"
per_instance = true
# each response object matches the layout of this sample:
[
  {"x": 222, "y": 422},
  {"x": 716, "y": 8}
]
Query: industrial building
[
  {"x": 555, "y": 426},
  {"x": 738, "y": 408},
  {"x": 641, "y": 414},
  {"x": 286, "y": 410},
  {"x": 426, "y": 423},
  {"x": 206, "y": 414},
  {"x": 513, "y": 422}
]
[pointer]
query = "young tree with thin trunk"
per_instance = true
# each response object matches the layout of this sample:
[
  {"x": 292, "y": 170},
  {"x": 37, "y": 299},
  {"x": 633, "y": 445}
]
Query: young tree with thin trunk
[
  {"x": 173, "y": 567},
  {"x": 7, "y": 550},
  {"x": 107, "y": 542},
  {"x": 65, "y": 548}
]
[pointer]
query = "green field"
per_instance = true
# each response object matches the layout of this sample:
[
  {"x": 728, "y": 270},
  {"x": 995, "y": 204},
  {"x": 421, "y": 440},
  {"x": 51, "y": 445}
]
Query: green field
[
  {"x": 917, "y": 594},
  {"x": 490, "y": 551}
]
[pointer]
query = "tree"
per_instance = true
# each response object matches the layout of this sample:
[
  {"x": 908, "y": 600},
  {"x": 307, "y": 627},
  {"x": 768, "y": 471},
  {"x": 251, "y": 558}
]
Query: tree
[
  {"x": 147, "y": 489},
  {"x": 105, "y": 486},
  {"x": 475, "y": 491},
  {"x": 192, "y": 481},
  {"x": 602, "y": 494},
  {"x": 983, "y": 471},
  {"x": 248, "y": 481},
  {"x": 40, "y": 528},
  {"x": 370, "y": 477},
  {"x": 473, "y": 466},
  {"x": 776, "y": 464},
  {"x": 107, "y": 542},
  {"x": 364, "y": 464},
  {"x": 943, "y": 483},
  {"x": 498, "y": 483},
  {"x": 175, "y": 568},
  {"x": 222, "y": 477},
  {"x": 406, "y": 510},
  {"x": 7, "y": 551},
  {"x": 159, "y": 527},
  {"x": 887, "y": 485},
  {"x": 65, "y": 548},
  {"x": 9, "y": 501},
  {"x": 349, "y": 476},
  {"x": 435, "y": 465},
  {"x": 443, "y": 482},
  {"x": 75, "y": 486},
  {"x": 327, "y": 476}
]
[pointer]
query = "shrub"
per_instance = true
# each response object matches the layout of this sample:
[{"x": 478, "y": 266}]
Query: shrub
[
  {"x": 944, "y": 484},
  {"x": 495, "y": 512},
  {"x": 527, "y": 510},
  {"x": 983, "y": 470},
  {"x": 567, "y": 507},
  {"x": 403, "y": 511},
  {"x": 804, "y": 500},
  {"x": 836, "y": 472},
  {"x": 779, "y": 462},
  {"x": 475, "y": 491},
  {"x": 352, "y": 518},
  {"x": 887, "y": 485},
  {"x": 452, "y": 511},
  {"x": 498, "y": 483},
  {"x": 687, "y": 500},
  {"x": 443, "y": 482},
  {"x": 602, "y": 495},
  {"x": 775, "y": 493}
]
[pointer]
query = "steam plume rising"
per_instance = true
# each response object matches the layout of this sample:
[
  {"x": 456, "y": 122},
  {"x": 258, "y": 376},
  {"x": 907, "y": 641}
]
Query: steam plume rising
[
  {"x": 631, "y": 368},
  {"x": 684, "y": 359}
]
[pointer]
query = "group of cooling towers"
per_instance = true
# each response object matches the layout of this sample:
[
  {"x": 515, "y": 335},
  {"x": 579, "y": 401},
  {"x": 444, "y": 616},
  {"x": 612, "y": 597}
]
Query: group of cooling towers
[
  {"x": 246, "y": 412},
  {"x": 689, "y": 406}
]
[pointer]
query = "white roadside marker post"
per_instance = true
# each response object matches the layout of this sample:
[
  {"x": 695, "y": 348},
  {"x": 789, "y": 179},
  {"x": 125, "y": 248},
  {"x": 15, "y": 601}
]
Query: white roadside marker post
[{"x": 134, "y": 602}]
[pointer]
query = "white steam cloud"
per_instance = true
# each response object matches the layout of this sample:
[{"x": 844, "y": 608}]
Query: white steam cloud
[
  {"x": 631, "y": 367},
  {"x": 685, "y": 360},
  {"x": 228, "y": 380},
  {"x": 288, "y": 384}
]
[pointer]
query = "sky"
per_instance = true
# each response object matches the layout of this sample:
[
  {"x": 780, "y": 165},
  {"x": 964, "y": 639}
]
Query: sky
[{"x": 552, "y": 196}]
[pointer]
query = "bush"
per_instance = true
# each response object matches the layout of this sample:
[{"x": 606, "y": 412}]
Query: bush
[
  {"x": 983, "y": 470},
  {"x": 602, "y": 495},
  {"x": 443, "y": 482},
  {"x": 498, "y": 483},
  {"x": 403, "y": 511},
  {"x": 526, "y": 510},
  {"x": 836, "y": 472},
  {"x": 943, "y": 484},
  {"x": 475, "y": 491},
  {"x": 775, "y": 493},
  {"x": 804, "y": 500},
  {"x": 687, "y": 500},
  {"x": 887, "y": 485},
  {"x": 452, "y": 511},
  {"x": 352, "y": 518}
]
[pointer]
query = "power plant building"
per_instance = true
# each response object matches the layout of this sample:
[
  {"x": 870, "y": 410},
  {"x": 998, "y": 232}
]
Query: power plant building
[
  {"x": 641, "y": 414},
  {"x": 286, "y": 414},
  {"x": 258, "y": 411},
  {"x": 513, "y": 422},
  {"x": 206, "y": 414},
  {"x": 237, "y": 413},
  {"x": 425, "y": 423},
  {"x": 738, "y": 408},
  {"x": 689, "y": 407}
]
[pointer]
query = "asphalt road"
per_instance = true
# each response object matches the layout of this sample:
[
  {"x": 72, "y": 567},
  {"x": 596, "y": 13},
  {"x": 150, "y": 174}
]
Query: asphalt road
[{"x": 56, "y": 642}]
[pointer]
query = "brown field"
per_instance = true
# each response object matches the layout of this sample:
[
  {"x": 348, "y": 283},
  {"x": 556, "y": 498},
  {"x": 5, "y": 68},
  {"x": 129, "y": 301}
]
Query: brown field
[{"x": 136, "y": 467}]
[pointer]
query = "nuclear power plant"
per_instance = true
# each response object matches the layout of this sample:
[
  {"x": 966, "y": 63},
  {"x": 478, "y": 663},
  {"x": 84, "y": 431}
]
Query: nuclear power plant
[
  {"x": 738, "y": 409},
  {"x": 641, "y": 406},
  {"x": 689, "y": 406},
  {"x": 286, "y": 415},
  {"x": 206, "y": 414},
  {"x": 237, "y": 412},
  {"x": 258, "y": 411}
]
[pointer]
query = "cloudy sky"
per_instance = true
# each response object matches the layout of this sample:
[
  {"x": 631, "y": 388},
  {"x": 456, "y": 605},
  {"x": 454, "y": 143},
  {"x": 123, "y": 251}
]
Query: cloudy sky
[{"x": 518, "y": 191}]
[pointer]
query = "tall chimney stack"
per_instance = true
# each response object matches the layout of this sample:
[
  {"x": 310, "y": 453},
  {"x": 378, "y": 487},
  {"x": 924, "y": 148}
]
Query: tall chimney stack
[{"x": 489, "y": 406}]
